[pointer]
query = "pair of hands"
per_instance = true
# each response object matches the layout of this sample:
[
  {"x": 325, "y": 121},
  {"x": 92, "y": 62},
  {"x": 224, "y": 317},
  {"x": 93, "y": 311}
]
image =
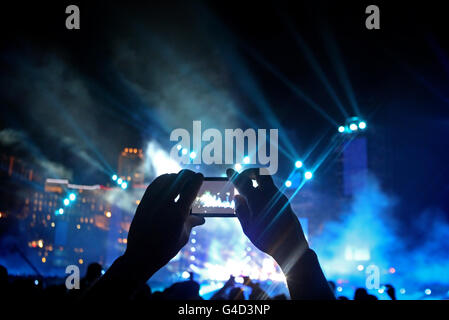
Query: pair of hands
[{"x": 162, "y": 223}]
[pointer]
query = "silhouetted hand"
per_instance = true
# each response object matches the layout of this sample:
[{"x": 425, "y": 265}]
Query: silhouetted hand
[
  {"x": 162, "y": 223},
  {"x": 391, "y": 291},
  {"x": 266, "y": 216}
]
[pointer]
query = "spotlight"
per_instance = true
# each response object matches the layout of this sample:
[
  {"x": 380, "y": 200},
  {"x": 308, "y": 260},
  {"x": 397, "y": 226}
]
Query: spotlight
[
  {"x": 124, "y": 185},
  {"x": 339, "y": 289},
  {"x": 362, "y": 125},
  {"x": 72, "y": 197},
  {"x": 238, "y": 167},
  {"x": 114, "y": 177},
  {"x": 246, "y": 160},
  {"x": 381, "y": 290},
  {"x": 360, "y": 267},
  {"x": 192, "y": 155},
  {"x": 61, "y": 211},
  {"x": 308, "y": 175},
  {"x": 119, "y": 181},
  {"x": 184, "y": 151},
  {"x": 178, "y": 147},
  {"x": 66, "y": 202},
  {"x": 402, "y": 291},
  {"x": 288, "y": 183},
  {"x": 341, "y": 129},
  {"x": 353, "y": 127},
  {"x": 298, "y": 164},
  {"x": 428, "y": 292}
]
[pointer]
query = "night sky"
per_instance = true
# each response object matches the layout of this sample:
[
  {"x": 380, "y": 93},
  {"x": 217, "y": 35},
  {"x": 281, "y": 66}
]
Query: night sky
[{"x": 135, "y": 72}]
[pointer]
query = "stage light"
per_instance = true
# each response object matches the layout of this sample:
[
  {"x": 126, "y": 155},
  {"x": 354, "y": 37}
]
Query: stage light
[
  {"x": 246, "y": 160},
  {"x": 360, "y": 267},
  {"x": 119, "y": 181},
  {"x": 392, "y": 270},
  {"x": 381, "y": 290},
  {"x": 178, "y": 147},
  {"x": 66, "y": 202},
  {"x": 362, "y": 125},
  {"x": 72, "y": 197},
  {"x": 185, "y": 275},
  {"x": 193, "y": 241},
  {"x": 308, "y": 175},
  {"x": 124, "y": 185},
  {"x": 341, "y": 129},
  {"x": 192, "y": 155},
  {"x": 184, "y": 151},
  {"x": 36, "y": 282},
  {"x": 238, "y": 167},
  {"x": 61, "y": 211},
  {"x": 339, "y": 289},
  {"x": 298, "y": 164},
  {"x": 353, "y": 127},
  {"x": 428, "y": 292},
  {"x": 402, "y": 291},
  {"x": 114, "y": 177},
  {"x": 288, "y": 183}
]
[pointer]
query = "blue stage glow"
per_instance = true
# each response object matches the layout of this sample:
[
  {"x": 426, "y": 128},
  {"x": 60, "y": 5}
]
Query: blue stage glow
[
  {"x": 298, "y": 164},
  {"x": 124, "y": 185},
  {"x": 114, "y": 177},
  {"x": 66, "y": 202},
  {"x": 246, "y": 160},
  {"x": 341, "y": 129},
  {"x": 288, "y": 183},
  {"x": 362, "y": 125},
  {"x": 238, "y": 167},
  {"x": 72, "y": 197},
  {"x": 308, "y": 175}
]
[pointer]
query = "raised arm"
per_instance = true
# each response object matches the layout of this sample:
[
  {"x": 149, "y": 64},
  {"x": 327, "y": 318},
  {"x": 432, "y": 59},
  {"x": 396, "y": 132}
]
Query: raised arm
[{"x": 271, "y": 225}]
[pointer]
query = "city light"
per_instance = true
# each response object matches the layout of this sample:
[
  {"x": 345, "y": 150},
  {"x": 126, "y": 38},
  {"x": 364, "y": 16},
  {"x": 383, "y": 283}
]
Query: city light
[
  {"x": 288, "y": 183},
  {"x": 66, "y": 202},
  {"x": 362, "y": 125},
  {"x": 353, "y": 127},
  {"x": 72, "y": 197},
  {"x": 298, "y": 164},
  {"x": 341, "y": 129},
  {"x": 124, "y": 185},
  {"x": 308, "y": 175},
  {"x": 114, "y": 177},
  {"x": 246, "y": 160}
]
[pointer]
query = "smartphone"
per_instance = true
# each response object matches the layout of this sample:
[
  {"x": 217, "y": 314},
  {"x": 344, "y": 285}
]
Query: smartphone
[{"x": 215, "y": 198}]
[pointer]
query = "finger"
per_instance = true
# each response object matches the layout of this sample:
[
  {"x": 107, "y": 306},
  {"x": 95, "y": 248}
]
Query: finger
[
  {"x": 179, "y": 183},
  {"x": 194, "y": 221},
  {"x": 242, "y": 211},
  {"x": 156, "y": 188},
  {"x": 265, "y": 181},
  {"x": 242, "y": 182},
  {"x": 189, "y": 192}
]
